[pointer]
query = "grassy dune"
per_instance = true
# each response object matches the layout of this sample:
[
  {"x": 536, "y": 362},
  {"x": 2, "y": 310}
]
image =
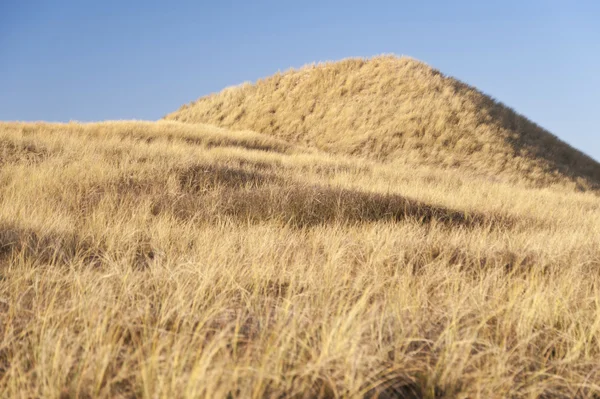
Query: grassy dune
[
  {"x": 397, "y": 109},
  {"x": 143, "y": 259}
]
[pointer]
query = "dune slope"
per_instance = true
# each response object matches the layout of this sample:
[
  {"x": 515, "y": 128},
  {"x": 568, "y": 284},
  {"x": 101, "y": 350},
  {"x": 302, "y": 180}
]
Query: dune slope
[
  {"x": 165, "y": 259},
  {"x": 401, "y": 110}
]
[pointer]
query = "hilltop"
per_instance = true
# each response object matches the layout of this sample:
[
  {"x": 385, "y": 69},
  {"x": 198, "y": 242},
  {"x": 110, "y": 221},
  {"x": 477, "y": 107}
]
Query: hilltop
[{"x": 397, "y": 110}]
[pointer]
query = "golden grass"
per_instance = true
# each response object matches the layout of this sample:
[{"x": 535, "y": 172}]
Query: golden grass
[
  {"x": 171, "y": 260},
  {"x": 397, "y": 109}
]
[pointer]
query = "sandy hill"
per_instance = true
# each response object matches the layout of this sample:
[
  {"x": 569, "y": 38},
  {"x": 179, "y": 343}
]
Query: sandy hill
[{"x": 400, "y": 110}]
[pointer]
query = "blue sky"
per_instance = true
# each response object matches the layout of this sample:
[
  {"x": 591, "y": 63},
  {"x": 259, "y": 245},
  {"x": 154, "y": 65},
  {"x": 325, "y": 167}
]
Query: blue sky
[{"x": 94, "y": 60}]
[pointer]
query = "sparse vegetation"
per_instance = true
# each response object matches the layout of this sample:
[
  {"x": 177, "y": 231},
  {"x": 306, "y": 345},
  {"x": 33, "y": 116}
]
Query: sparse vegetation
[{"x": 171, "y": 260}]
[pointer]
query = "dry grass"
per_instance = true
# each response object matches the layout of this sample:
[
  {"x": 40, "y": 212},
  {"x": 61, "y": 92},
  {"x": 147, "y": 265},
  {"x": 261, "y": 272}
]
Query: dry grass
[
  {"x": 172, "y": 260},
  {"x": 397, "y": 109}
]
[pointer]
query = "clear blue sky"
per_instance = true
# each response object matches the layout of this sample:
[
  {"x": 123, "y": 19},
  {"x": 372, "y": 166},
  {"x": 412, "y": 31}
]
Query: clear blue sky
[{"x": 84, "y": 60}]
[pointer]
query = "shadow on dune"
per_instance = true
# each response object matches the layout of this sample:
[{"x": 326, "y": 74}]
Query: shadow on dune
[
  {"x": 532, "y": 141},
  {"x": 44, "y": 247},
  {"x": 203, "y": 177},
  {"x": 49, "y": 247},
  {"x": 211, "y": 192},
  {"x": 303, "y": 206}
]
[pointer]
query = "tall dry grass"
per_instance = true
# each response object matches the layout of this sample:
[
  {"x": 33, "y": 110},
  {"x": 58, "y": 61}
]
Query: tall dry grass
[
  {"x": 397, "y": 109},
  {"x": 171, "y": 260}
]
